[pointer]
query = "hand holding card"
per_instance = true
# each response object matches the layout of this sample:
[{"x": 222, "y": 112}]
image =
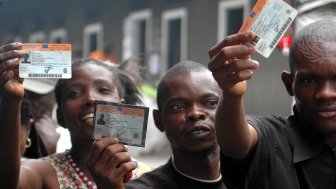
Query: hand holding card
[
  {"x": 269, "y": 19},
  {"x": 126, "y": 122},
  {"x": 45, "y": 60}
]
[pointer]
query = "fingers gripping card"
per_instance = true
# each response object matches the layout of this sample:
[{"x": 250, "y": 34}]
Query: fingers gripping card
[
  {"x": 128, "y": 123},
  {"x": 269, "y": 19},
  {"x": 46, "y": 61}
]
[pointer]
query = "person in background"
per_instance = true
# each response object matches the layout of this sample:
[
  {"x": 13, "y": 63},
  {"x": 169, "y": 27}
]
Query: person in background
[
  {"x": 26, "y": 124},
  {"x": 44, "y": 132},
  {"x": 271, "y": 151},
  {"x": 91, "y": 80},
  {"x": 187, "y": 99},
  {"x": 156, "y": 141}
]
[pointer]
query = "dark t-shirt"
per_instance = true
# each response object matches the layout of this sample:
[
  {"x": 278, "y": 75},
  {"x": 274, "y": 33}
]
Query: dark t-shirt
[
  {"x": 289, "y": 154},
  {"x": 166, "y": 177}
]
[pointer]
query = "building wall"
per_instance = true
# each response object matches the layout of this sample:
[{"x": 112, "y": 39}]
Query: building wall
[{"x": 266, "y": 94}]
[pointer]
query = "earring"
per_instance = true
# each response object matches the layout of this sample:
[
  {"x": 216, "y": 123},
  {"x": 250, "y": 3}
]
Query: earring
[{"x": 28, "y": 143}]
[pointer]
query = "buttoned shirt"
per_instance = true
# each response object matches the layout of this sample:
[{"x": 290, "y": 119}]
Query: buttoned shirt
[{"x": 289, "y": 154}]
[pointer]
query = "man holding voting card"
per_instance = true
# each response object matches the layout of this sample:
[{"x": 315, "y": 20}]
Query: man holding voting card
[{"x": 271, "y": 151}]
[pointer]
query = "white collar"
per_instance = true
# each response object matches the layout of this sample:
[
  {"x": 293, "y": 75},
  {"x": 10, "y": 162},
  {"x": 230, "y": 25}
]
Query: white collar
[{"x": 194, "y": 178}]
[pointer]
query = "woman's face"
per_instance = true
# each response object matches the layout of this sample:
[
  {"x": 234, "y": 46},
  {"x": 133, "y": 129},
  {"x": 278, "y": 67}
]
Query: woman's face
[{"x": 89, "y": 82}]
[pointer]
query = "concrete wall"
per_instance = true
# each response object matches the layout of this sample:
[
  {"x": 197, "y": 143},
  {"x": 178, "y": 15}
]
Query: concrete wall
[{"x": 266, "y": 94}]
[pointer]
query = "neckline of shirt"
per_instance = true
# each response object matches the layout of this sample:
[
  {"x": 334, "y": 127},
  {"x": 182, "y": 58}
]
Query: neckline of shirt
[{"x": 194, "y": 178}]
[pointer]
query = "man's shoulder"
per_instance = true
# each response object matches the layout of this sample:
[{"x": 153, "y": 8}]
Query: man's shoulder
[
  {"x": 269, "y": 120},
  {"x": 156, "y": 178}
]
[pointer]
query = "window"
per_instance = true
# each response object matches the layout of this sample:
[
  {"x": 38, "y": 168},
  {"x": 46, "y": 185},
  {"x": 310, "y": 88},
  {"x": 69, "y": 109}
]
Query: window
[
  {"x": 231, "y": 15},
  {"x": 37, "y": 37},
  {"x": 138, "y": 32},
  {"x": 93, "y": 38},
  {"x": 250, "y": 4},
  {"x": 58, "y": 36},
  {"x": 174, "y": 37}
]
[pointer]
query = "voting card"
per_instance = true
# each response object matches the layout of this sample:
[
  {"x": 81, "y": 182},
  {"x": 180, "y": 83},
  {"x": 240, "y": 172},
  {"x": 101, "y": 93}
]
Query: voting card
[
  {"x": 128, "y": 123},
  {"x": 46, "y": 61},
  {"x": 269, "y": 19}
]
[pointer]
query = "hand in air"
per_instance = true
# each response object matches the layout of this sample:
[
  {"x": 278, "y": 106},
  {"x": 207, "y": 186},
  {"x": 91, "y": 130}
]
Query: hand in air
[
  {"x": 231, "y": 65},
  {"x": 10, "y": 83}
]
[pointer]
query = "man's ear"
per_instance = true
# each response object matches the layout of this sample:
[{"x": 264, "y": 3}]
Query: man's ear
[
  {"x": 158, "y": 120},
  {"x": 60, "y": 118},
  {"x": 287, "y": 79}
]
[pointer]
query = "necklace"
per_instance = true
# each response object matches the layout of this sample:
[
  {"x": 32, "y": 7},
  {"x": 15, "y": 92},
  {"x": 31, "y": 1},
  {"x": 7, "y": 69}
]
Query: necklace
[
  {"x": 194, "y": 178},
  {"x": 82, "y": 176}
]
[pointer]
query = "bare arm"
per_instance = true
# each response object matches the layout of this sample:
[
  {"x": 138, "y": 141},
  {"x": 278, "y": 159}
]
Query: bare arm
[
  {"x": 235, "y": 137},
  {"x": 11, "y": 92},
  {"x": 231, "y": 66},
  {"x": 33, "y": 174},
  {"x": 10, "y": 142}
]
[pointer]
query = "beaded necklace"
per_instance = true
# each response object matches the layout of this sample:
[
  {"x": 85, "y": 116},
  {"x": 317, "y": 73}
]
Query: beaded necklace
[{"x": 83, "y": 178}]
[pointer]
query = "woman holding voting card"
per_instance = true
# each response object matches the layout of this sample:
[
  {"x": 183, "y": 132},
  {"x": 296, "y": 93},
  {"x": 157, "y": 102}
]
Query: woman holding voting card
[{"x": 91, "y": 80}]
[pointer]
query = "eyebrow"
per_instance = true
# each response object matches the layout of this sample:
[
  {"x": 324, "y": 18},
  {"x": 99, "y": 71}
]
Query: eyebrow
[
  {"x": 98, "y": 81},
  {"x": 175, "y": 98},
  {"x": 179, "y": 98},
  {"x": 68, "y": 85}
]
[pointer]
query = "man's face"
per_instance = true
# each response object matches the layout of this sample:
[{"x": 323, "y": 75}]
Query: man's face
[
  {"x": 188, "y": 112},
  {"x": 314, "y": 84}
]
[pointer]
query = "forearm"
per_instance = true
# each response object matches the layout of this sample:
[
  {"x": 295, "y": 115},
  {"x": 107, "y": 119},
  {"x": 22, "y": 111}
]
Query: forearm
[
  {"x": 233, "y": 133},
  {"x": 9, "y": 141}
]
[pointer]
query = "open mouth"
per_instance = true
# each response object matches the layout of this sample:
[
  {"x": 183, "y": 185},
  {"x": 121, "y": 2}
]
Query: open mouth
[
  {"x": 196, "y": 132},
  {"x": 200, "y": 131},
  {"x": 88, "y": 118}
]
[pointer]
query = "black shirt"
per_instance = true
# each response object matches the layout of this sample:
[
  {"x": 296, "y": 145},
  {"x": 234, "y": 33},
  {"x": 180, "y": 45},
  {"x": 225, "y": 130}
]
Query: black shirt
[
  {"x": 289, "y": 154},
  {"x": 166, "y": 177}
]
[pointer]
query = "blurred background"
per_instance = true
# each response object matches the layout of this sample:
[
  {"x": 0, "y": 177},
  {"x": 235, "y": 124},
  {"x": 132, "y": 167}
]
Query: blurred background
[{"x": 160, "y": 33}]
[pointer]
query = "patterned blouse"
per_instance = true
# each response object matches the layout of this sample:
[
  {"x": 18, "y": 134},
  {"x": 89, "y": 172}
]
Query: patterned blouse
[{"x": 69, "y": 178}]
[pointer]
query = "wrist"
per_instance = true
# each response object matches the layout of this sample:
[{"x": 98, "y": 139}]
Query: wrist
[{"x": 10, "y": 98}]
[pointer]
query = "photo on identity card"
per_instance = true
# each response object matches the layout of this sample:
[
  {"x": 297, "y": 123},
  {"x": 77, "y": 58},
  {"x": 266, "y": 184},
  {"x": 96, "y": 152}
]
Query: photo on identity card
[{"x": 126, "y": 122}]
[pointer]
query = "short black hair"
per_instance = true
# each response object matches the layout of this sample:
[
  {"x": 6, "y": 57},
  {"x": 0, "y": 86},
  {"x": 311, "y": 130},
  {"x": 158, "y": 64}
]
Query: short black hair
[
  {"x": 320, "y": 31},
  {"x": 183, "y": 67}
]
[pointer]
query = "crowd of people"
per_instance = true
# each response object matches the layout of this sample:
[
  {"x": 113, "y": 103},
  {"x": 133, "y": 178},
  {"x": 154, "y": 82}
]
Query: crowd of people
[{"x": 214, "y": 143}]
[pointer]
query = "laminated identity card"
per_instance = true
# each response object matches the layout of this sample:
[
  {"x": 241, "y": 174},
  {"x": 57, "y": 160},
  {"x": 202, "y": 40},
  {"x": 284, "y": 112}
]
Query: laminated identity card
[
  {"x": 46, "y": 61},
  {"x": 269, "y": 19},
  {"x": 128, "y": 123}
]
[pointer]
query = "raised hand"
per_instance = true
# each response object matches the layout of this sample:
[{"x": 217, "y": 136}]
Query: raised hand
[
  {"x": 231, "y": 65},
  {"x": 10, "y": 83}
]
